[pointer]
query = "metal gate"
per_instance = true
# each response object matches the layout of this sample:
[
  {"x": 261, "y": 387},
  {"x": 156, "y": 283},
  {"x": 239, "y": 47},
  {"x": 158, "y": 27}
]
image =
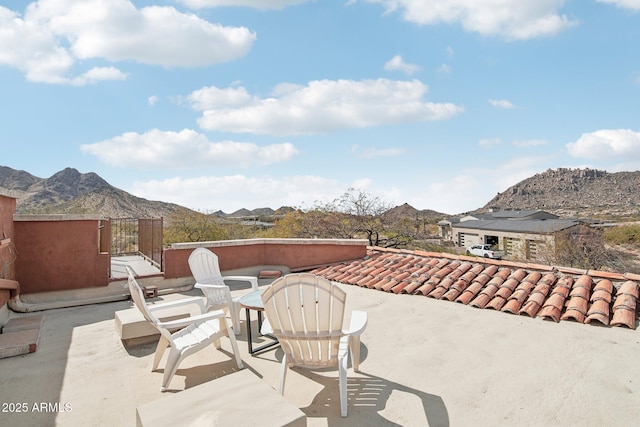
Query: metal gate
[
  {"x": 137, "y": 236},
  {"x": 150, "y": 239}
]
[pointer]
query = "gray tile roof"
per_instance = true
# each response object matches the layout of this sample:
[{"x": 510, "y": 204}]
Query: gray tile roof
[{"x": 521, "y": 226}]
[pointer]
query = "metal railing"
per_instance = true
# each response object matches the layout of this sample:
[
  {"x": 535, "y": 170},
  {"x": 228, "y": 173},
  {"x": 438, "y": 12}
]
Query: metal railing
[
  {"x": 124, "y": 236},
  {"x": 135, "y": 236}
]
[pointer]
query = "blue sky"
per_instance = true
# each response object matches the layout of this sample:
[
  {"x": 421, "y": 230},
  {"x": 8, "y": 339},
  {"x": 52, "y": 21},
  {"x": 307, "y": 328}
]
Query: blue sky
[{"x": 229, "y": 104}]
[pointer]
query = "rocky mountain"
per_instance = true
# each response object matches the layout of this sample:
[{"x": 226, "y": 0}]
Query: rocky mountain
[
  {"x": 574, "y": 192},
  {"x": 70, "y": 191},
  {"x": 407, "y": 211},
  {"x": 62, "y": 187},
  {"x": 17, "y": 180},
  {"x": 259, "y": 212},
  {"x": 565, "y": 192}
]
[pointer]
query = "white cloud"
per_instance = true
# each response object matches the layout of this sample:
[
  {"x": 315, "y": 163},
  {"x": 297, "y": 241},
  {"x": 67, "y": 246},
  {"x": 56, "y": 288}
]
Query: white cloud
[
  {"x": 257, "y": 4},
  {"x": 230, "y": 193},
  {"x": 97, "y": 74},
  {"x": 447, "y": 196},
  {"x": 607, "y": 144},
  {"x": 152, "y": 100},
  {"x": 502, "y": 103},
  {"x": 489, "y": 142},
  {"x": 322, "y": 106},
  {"x": 453, "y": 193},
  {"x": 514, "y": 170},
  {"x": 30, "y": 47},
  {"x": 54, "y": 36},
  {"x": 363, "y": 184},
  {"x": 212, "y": 97},
  {"x": 398, "y": 63},
  {"x": 624, "y": 4},
  {"x": 513, "y": 19},
  {"x": 158, "y": 149}
]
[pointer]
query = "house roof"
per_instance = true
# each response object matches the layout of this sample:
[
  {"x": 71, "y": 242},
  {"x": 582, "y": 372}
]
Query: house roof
[
  {"x": 520, "y": 226},
  {"x": 523, "y": 214},
  {"x": 584, "y": 296},
  {"x": 520, "y": 215}
]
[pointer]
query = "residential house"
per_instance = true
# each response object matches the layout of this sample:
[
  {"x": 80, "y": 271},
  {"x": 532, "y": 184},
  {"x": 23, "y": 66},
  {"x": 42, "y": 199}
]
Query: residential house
[{"x": 519, "y": 233}]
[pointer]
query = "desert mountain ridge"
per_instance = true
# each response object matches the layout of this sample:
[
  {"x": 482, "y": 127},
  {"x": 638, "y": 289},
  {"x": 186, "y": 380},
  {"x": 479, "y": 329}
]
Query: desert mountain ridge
[
  {"x": 566, "y": 192},
  {"x": 574, "y": 192}
]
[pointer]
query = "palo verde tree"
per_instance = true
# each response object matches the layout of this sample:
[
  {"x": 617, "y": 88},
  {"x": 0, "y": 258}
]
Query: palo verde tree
[
  {"x": 191, "y": 226},
  {"x": 355, "y": 214},
  {"x": 366, "y": 216}
]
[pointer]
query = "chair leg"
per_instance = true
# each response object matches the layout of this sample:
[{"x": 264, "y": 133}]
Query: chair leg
[
  {"x": 283, "y": 373},
  {"x": 175, "y": 356},
  {"x": 355, "y": 352},
  {"x": 342, "y": 373},
  {"x": 161, "y": 347},
  {"x": 235, "y": 317},
  {"x": 234, "y": 346}
]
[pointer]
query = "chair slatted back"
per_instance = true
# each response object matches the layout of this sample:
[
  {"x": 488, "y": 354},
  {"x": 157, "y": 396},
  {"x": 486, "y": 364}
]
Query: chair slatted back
[
  {"x": 306, "y": 314},
  {"x": 138, "y": 299},
  {"x": 204, "y": 266}
]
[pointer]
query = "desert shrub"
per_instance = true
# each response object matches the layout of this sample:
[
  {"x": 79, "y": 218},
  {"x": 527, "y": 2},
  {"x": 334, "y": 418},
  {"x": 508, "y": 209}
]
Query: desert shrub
[{"x": 623, "y": 235}]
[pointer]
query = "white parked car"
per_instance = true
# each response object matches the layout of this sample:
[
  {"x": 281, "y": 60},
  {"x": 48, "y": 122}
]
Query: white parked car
[{"x": 484, "y": 251}]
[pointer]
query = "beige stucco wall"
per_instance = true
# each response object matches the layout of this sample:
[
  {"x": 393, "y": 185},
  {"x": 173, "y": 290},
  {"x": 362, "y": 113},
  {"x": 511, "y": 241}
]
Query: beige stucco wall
[{"x": 520, "y": 248}]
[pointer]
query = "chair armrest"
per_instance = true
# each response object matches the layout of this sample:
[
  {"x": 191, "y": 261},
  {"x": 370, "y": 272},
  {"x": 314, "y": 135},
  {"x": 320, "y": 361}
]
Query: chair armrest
[
  {"x": 193, "y": 320},
  {"x": 177, "y": 303},
  {"x": 358, "y": 324},
  {"x": 250, "y": 279}
]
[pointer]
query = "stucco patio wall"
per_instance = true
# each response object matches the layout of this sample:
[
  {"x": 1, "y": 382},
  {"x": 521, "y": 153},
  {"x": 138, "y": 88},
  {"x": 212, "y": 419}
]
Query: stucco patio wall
[
  {"x": 8, "y": 287},
  {"x": 62, "y": 252},
  {"x": 297, "y": 254},
  {"x": 59, "y": 252}
]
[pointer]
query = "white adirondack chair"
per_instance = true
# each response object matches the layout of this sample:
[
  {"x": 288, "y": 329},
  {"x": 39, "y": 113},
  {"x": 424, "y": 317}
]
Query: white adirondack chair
[
  {"x": 205, "y": 269},
  {"x": 306, "y": 313},
  {"x": 191, "y": 334}
]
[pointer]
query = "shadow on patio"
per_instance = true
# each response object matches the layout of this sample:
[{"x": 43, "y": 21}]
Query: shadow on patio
[{"x": 423, "y": 362}]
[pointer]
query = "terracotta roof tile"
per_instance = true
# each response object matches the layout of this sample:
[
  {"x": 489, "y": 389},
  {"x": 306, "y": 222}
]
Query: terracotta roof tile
[
  {"x": 468, "y": 294},
  {"x": 534, "y": 290},
  {"x": 628, "y": 288},
  {"x": 538, "y": 295},
  {"x": 521, "y": 293},
  {"x": 599, "y": 311}
]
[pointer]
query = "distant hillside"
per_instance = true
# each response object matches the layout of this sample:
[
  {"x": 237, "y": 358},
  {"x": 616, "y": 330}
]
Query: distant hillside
[
  {"x": 72, "y": 192},
  {"x": 115, "y": 203},
  {"x": 574, "y": 192},
  {"x": 17, "y": 180},
  {"x": 407, "y": 211},
  {"x": 566, "y": 192}
]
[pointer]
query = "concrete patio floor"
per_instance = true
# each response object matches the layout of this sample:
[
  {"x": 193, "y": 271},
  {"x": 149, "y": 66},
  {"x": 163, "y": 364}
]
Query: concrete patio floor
[{"x": 424, "y": 362}]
